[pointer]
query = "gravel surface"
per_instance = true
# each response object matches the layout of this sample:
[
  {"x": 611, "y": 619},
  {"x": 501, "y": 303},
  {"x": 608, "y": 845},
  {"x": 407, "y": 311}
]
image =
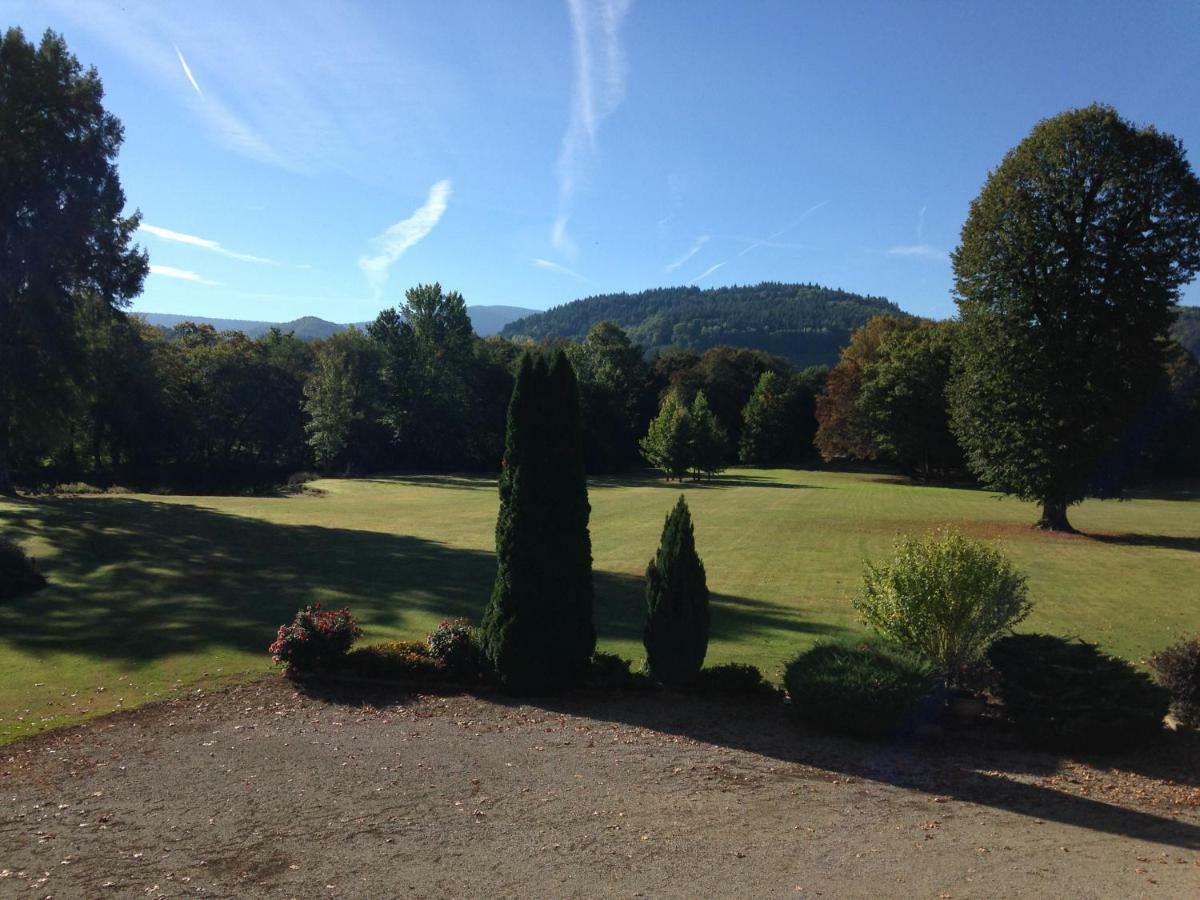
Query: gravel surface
[{"x": 260, "y": 790}]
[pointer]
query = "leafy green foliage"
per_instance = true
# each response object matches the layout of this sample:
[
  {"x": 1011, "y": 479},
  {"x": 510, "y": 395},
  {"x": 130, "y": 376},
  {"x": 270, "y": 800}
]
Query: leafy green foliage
[
  {"x": 343, "y": 397},
  {"x": 1069, "y": 267},
  {"x": 707, "y": 439},
  {"x": 668, "y": 441},
  {"x": 902, "y": 402},
  {"x": 1178, "y": 670},
  {"x": 1067, "y": 695},
  {"x": 860, "y": 689},
  {"x": 685, "y": 439},
  {"x": 537, "y": 630},
  {"x": 945, "y": 598},
  {"x": 395, "y": 661},
  {"x": 612, "y": 376},
  {"x": 731, "y": 678},
  {"x": 66, "y": 241},
  {"x": 610, "y": 672},
  {"x": 806, "y": 323},
  {"x": 677, "y": 616},
  {"x": 18, "y": 572},
  {"x": 843, "y": 428}
]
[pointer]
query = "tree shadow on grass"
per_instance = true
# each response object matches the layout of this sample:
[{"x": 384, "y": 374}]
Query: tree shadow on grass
[
  {"x": 138, "y": 580},
  {"x": 1157, "y": 541},
  {"x": 457, "y": 482}
]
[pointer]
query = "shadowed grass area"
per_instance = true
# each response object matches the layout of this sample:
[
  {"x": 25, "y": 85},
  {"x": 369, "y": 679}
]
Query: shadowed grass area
[{"x": 148, "y": 595}]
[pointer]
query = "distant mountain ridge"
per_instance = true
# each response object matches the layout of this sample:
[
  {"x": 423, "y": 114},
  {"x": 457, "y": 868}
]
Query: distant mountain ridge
[
  {"x": 487, "y": 320},
  {"x": 807, "y": 323}
]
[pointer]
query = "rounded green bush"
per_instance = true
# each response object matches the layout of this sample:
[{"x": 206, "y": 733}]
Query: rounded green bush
[
  {"x": 945, "y": 598},
  {"x": 859, "y": 689},
  {"x": 1067, "y": 695}
]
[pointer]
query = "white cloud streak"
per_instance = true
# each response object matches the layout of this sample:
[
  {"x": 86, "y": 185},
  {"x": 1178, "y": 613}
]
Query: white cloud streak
[
  {"x": 187, "y": 70},
  {"x": 697, "y": 245},
  {"x": 921, "y": 224},
  {"x": 181, "y": 275},
  {"x": 555, "y": 267},
  {"x": 388, "y": 247},
  {"x": 192, "y": 240},
  {"x": 599, "y": 89},
  {"x": 707, "y": 272},
  {"x": 920, "y": 251}
]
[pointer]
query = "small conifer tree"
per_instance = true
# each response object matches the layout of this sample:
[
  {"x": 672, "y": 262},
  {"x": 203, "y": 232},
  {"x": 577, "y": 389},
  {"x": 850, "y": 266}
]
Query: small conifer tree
[{"x": 676, "y": 633}]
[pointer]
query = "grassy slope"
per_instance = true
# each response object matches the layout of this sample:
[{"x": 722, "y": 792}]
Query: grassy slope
[{"x": 151, "y": 594}]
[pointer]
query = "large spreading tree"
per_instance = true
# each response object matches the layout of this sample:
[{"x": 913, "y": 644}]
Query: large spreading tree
[
  {"x": 65, "y": 242},
  {"x": 537, "y": 630},
  {"x": 1066, "y": 279}
]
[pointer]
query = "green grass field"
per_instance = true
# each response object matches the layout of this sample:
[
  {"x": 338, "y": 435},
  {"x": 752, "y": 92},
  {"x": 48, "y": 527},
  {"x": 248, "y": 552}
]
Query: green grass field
[{"x": 151, "y": 595}]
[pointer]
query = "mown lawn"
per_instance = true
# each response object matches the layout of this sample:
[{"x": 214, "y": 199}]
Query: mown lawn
[{"x": 150, "y": 595}]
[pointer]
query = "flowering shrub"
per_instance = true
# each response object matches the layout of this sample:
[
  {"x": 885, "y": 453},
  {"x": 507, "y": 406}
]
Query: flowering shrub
[
  {"x": 452, "y": 643},
  {"x": 317, "y": 638}
]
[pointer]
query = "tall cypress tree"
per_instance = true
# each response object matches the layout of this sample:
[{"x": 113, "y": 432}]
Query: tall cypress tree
[
  {"x": 537, "y": 630},
  {"x": 676, "y": 635}
]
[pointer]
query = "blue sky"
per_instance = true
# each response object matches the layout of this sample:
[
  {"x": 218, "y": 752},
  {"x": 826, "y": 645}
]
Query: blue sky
[{"x": 318, "y": 158}]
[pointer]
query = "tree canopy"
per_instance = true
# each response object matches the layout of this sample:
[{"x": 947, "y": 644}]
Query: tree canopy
[
  {"x": 66, "y": 240},
  {"x": 1066, "y": 279}
]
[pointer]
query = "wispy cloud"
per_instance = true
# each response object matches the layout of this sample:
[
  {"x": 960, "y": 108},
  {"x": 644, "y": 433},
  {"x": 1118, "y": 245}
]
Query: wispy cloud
[
  {"x": 921, "y": 223},
  {"x": 707, "y": 272},
  {"x": 305, "y": 91},
  {"x": 598, "y": 91},
  {"x": 555, "y": 267},
  {"x": 922, "y": 251},
  {"x": 181, "y": 275},
  {"x": 692, "y": 251},
  {"x": 187, "y": 70},
  {"x": 192, "y": 240},
  {"x": 769, "y": 242},
  {"x": 390, "y": 246}
]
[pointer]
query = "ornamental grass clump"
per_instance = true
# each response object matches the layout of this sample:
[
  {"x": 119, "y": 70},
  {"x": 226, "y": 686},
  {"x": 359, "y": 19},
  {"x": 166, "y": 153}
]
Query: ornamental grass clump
[
  {"x": 316, "y": 639},
  {"x": 945, "y": 598}
]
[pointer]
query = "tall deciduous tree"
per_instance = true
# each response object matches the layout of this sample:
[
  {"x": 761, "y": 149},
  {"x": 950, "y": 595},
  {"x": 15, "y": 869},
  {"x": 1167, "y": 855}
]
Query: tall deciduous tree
[
  {"x": 65, "y": 236},
  {"x": 842, "y": 429},
  {"x": 708, "y": 439},
  {"x": 427, "y": 344},
  {"x": 667, "y": 444},
  {"x": 1069, "y": 267},
  {"x": 537, "y": 630}
]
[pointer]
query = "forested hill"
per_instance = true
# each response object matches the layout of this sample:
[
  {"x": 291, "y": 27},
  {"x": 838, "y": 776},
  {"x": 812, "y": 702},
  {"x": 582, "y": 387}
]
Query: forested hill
[{"x": 806, "y": 323}]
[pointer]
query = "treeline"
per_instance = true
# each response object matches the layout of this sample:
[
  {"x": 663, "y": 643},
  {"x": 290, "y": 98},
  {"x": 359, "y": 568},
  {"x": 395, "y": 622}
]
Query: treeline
[
  {"x": 889, "y": 400},
  {"x": 197, "y": 408},
  {"x": 804, "y": 323}
]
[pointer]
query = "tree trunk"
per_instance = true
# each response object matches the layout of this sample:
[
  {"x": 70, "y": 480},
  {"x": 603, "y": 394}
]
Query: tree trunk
[{"x": 1054, "y": 517}]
